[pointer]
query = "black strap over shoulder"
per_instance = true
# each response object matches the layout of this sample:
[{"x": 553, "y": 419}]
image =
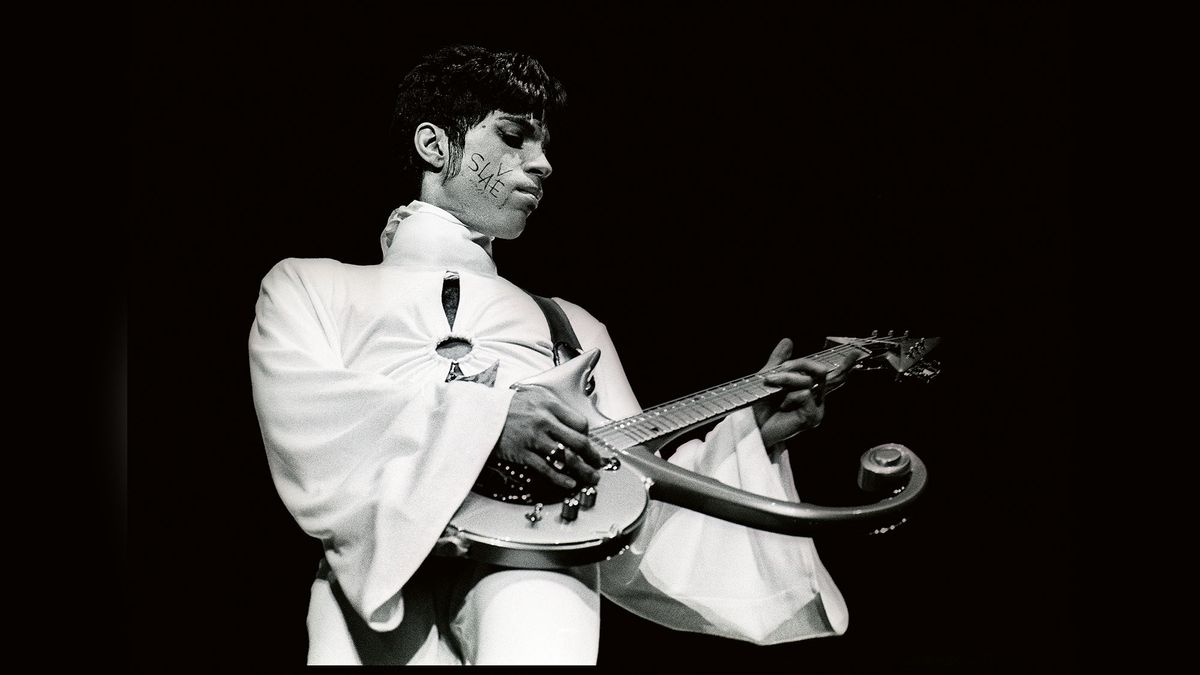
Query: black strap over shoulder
[
  {"x": 562, "y": 336},
  {"x": 499, "y": 479}
]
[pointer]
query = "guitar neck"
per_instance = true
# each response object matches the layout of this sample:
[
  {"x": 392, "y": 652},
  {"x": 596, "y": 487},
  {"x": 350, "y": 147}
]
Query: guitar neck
[{"x": 704, "y": 406}]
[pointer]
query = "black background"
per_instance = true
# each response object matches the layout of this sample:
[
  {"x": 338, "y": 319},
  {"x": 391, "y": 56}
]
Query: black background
[{"x": 724, "y": 178}]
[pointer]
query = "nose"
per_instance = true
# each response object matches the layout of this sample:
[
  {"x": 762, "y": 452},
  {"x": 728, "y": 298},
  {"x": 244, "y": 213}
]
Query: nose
[{"x": 539, "y": 165}]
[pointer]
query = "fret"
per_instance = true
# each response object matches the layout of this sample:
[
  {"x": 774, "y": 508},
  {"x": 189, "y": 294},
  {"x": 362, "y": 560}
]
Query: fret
[
  {"x": 650, "y": 433},
  {"x": 754, "y": 392},
  {"x": 758, "y": 389},
  {"x": 666, "y": 420},
  {"x": 606, "y": 436},
  {"x": 727, "y": 400},
  {"x": 740, "y": 396},
  {"x": 763, "y": 390},
  {"x": 718, "y": 400},
  {"x": 679, "y": 415},
  {"x": 631, "y": 427},
  {"x": 688, "y": 408},
  {"x": 629, "y": 439},
  {"x": 684, "y": 415},
  {"x": 640, "y": 428},
  {"x": 614, "y": 434},
  {"x": 706, "y": 405},
  {"x": 623, "y": 443},
  {"x": 614, "y": 438},
  {"x": 653, "y": 423}
]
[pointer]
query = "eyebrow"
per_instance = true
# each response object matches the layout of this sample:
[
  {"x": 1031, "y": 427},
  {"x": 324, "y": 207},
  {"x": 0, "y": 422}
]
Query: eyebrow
[{"x": 527, "y": 127}]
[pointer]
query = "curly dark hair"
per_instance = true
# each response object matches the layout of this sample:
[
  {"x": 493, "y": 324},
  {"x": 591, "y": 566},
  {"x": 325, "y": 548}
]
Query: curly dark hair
[{"x": 456, "y": 87}]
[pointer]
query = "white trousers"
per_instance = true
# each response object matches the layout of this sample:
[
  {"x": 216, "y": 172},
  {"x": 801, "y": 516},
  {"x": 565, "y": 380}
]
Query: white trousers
[{"x": 461, "y": 612}]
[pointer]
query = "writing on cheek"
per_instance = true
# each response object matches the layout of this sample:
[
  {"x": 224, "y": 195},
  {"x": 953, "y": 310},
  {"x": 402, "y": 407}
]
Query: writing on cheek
[{"x": 487, "y": 177}]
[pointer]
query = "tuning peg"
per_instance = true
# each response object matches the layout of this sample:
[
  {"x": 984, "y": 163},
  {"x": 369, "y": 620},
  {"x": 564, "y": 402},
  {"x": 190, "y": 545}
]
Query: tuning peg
[
  {"x": 924, "y": 371},
  {"x": 874, "y": 334}
]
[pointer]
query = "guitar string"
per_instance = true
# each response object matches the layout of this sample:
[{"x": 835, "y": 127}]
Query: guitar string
[
  {"x": 747, "y": 378},
  {"x": 633, "y": 428},
  {"x": 697, "y": 408},
  {"x": 744, "y": 381},
  {"x": 628, "y": 426}
]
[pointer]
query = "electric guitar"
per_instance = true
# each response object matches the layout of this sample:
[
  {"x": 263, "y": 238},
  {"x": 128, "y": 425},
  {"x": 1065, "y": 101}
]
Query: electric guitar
[{"x": 516, "y": 518}]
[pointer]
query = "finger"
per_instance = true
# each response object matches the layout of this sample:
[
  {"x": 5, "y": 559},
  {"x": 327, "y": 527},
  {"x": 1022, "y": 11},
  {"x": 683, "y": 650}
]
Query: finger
[
  {"x": 578, "y": 443},
  {"x": 539, "y": 464},
  {"x": 808, "y": 366},
  {"x": 780, "y": 354},
  {"x": 789, "y": 380},
  {"x": 567, "y": 416},
  {"x": 577, "y": 468},
  {"x": 797, "y": 400},
  {"x": 844, "y": 368},
  {"x": 818, "y": 388},
  {"x": 815, "y": 418}
]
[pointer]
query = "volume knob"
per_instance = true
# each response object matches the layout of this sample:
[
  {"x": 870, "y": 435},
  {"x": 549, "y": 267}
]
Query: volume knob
[
  {"x": 570, "y": 509},
  {"x": 587, "y": 497}
]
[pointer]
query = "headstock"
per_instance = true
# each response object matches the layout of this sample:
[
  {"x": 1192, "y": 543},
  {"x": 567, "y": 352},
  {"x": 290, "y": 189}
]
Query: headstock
[{"x": 905, "y": 354}]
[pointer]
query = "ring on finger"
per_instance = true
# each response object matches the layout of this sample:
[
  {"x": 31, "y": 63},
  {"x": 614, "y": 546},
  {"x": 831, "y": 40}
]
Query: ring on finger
[{"x": 554, "y": 457}]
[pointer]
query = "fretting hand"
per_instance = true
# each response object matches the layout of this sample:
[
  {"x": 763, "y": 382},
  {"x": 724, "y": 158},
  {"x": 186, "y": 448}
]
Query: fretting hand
[{"x": 800, "y": 404}]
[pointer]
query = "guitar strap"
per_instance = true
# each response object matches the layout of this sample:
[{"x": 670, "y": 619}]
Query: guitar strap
[
  {"x": 565, "y": 343},
  {"x": 497, "y": 479},
  {"x": 562, "y": 336}
]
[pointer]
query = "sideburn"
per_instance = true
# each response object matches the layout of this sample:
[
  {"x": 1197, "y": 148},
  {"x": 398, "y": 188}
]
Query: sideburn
[{"x": 453, "y": 162}]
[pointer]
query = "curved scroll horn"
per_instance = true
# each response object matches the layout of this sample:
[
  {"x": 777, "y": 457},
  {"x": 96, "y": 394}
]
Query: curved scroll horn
[{"x": 891, "y": 468}]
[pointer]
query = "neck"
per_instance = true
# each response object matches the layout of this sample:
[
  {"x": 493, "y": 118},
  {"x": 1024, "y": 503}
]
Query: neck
[
  {"x": 689, "y": 412},
  {"x": 424, "y": 234},
  {"x": 430, "y": 194}
]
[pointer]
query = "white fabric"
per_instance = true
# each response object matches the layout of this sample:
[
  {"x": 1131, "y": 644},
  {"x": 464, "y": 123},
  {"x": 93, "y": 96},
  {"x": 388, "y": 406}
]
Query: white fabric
[
  {"x": 724, "y": 579},
  {"x": 369, "y": 451},
  {"x": 530, "y": 617}
]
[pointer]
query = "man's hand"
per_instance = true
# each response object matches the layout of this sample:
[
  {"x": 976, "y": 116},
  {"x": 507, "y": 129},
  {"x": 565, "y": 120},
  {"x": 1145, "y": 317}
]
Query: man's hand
[
  {"x": 544, "y": 434},
  {"x": 797, "y": 407}
]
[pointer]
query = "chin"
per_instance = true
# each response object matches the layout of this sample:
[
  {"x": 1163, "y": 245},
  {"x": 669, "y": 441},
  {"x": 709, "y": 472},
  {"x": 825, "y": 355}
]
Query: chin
[
  {"x": 511, "y": 234},
  {"x": 510, "y": 229}
]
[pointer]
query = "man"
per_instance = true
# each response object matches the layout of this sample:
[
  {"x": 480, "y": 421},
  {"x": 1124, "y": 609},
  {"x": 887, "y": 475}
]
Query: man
[{"x": 383, "y": 390}]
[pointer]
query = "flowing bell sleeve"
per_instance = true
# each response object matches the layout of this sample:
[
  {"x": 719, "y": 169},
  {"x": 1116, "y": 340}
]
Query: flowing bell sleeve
[
  {"x": 692, "y": 572},
  {"x": 372, "y": 466}
]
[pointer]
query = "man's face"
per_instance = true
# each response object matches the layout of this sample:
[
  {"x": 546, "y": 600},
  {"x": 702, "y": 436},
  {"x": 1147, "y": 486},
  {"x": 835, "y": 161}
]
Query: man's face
[{"x": 499, "y": 182}]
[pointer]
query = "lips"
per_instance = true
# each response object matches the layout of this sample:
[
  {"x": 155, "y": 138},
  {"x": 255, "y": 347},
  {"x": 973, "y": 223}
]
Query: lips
[{"x": 534, "y": 192}]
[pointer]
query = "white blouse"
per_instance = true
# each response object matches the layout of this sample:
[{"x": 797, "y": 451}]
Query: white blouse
[{"x": 372, "y": 450}]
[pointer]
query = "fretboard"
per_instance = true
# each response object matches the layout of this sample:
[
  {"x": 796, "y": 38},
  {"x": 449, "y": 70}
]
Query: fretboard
[{"x": 703, "y": 406}]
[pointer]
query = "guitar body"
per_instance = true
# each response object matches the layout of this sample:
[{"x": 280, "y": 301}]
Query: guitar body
[
  {"x": 507, "y": 521},
  {"x": 504, "y": 533}
]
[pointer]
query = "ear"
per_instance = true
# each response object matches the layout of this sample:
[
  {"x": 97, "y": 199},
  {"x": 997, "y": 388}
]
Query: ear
[{"x": 431, "y": 144}]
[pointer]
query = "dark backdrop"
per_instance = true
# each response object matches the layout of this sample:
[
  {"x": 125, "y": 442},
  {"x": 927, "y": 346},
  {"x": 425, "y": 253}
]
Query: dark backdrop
[{"x": 724, "y": 178}]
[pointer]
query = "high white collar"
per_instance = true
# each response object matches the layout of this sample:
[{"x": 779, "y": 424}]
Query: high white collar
[{"x": 425, "y": 235}]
